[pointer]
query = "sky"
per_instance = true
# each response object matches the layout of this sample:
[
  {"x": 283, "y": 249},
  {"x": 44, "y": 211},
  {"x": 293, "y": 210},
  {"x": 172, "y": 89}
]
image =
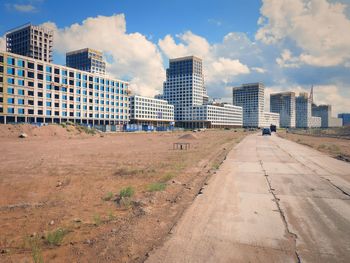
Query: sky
[{"x": 289, "y": 45}]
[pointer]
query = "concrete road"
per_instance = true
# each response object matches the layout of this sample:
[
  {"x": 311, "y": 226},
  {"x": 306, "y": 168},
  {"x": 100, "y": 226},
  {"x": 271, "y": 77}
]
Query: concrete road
[{"x": 272, "y": 200}]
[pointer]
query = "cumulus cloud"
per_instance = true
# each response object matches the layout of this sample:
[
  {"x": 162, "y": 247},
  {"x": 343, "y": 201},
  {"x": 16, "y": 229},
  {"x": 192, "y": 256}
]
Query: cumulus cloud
[
  {"x": 130, "y": 55},
  {"x": 320, "y": 29},
  {"x": 220, "y": 67}
]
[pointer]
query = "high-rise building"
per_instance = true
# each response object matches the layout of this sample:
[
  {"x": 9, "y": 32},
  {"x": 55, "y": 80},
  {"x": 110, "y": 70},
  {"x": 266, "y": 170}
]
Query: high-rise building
[
  {"x": 31, "y": 41},
  {"x": 184, "y": 88},
  {"x": 251, "y": 98},
  {"x": 35, "y": 91},
  {"x": 86, "y": 59},
  {"x": 325, "y": 113},
  {"x": 184, "y": 85},
  {"x": 284, "y": 104},
  {"x": 303, "y": 110},
  {"x": 345, "y": 117}
]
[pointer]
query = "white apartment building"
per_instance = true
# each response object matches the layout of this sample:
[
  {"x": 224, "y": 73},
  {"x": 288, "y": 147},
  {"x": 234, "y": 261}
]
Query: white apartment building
[
  {"x": 215, "y": 116},
  {"x": 251, "y": 98},
  {"x": 284, "y": 104},
  {"x": 36, "y": 91},
  {"x": 184, "y": 88},
  {"x": 150, "y": 111},
  {"x": 270, "y": 118}
]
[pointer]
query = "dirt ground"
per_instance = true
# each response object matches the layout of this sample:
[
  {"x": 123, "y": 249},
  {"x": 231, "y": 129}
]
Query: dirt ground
[
  {"x": 60, "y": 190},
  {"x": 336, "y": 147}
]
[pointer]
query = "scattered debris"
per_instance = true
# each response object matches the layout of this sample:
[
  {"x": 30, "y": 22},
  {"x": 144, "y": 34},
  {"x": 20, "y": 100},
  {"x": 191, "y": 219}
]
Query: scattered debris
[
  {"x": 52, "y": 223},
  {"x": 23, "y": 135}
]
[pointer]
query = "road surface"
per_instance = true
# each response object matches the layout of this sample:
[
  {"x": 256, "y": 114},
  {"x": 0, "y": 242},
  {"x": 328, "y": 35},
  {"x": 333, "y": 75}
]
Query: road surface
[{"x": 272, "y": 200}]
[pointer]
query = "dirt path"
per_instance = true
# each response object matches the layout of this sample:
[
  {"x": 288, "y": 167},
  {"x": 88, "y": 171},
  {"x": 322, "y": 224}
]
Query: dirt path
[{"x": 272, "y": 200}]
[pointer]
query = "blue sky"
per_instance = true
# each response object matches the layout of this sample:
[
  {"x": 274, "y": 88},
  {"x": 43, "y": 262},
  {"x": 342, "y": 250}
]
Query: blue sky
[
  {"x": 286, "y": 44},
  {"x": 151, "y": 17}
]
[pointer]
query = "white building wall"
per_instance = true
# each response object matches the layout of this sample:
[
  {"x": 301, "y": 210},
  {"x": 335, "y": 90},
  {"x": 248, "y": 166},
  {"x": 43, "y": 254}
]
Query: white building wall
[
  {"x": 150, "y": 109},
  {"x": 315, "y": 122},
  {"x": 269, "y": 118},
  {"x": 226, "y": 115}
]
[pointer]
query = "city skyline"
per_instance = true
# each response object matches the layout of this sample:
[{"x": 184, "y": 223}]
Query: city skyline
[{"x": 284, "y": 53}]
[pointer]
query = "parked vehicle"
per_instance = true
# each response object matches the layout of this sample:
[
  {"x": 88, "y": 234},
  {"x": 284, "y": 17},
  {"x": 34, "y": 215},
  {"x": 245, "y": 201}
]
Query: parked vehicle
[
  {"x": 273, "y": 128},
  {"x": 266, "y": 131}
]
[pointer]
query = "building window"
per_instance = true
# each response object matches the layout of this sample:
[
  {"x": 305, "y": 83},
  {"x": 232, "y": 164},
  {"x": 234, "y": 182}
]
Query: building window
[
  {"x": 10, "y": 100},
  {"x": 21, "y": 101},
  {"x": 21, "y": 111},
  {"x": 11, "y": 71},
  {"x": 11, "y": 61},
  {"x": 10, "y": 90},
  {"x": 10, "y": 110},
  {"x": 20, "y": 63}
]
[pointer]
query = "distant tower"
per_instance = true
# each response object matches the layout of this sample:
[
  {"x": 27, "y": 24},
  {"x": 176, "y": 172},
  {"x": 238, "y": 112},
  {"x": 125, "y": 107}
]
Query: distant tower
[{"x": 311, "y": 97}]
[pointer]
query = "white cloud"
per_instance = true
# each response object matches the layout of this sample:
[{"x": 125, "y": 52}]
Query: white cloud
[
  {"x": 319, "y": 28},
  {"x": 220, "y": 67},
  {"x": 287, "y": 60},
  {"x": 24, "y": 8},
  {"x": 214, "y": 21},
  {"x": 259, "y": 70},
  {"x": 130, "y": 55}
]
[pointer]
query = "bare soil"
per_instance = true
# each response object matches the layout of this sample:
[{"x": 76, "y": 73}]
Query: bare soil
[
  {"x": 62, "y": 178},
  {"x": 336, "y": 147}
]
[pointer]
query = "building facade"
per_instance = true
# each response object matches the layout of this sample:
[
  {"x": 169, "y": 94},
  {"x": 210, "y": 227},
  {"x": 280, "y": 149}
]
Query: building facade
[
  {"x": 303, "y": 110},
  {"x": 86, "y": 59},
  {"x": 150, "y": 111},
  {"x": 315, "y": 122},
  {"x": 270, "y": 118},
  {"x": 215, "y": 116},
  {"x": 184, "y": 88},
  {"x": 31, "y": 41},
  {"x": 325, "y": 113},
  {"x": 184, "y": 85},
  {"x": 284, "y": 104},
  {"x": 251, "y": 97},
  {"x": 36, "y": 91},
  {"x": 345, "y": 118}
]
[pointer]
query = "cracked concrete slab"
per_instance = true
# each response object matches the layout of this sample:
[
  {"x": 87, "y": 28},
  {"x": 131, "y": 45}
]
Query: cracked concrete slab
[{"x": 270, "y": 201}]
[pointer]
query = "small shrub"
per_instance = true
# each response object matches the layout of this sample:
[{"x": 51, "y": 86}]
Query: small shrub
[
  {"x": 35, "y": 246},
  {"x": 155, "y": 187},
  {"x": 55, "y": 238},
  {"x": 97, "y": 220},
  {"x": 126, "y": 192},
  {"x": 167, "y": 177},
  {"x": 216, "y": 166},
  {"x": 108, "y": 196},
  {"x": 111, "y": 216}
]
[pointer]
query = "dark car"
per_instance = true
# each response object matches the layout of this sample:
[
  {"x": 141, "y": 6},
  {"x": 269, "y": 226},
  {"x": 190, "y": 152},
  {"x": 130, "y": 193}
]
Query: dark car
[
  {"x": 266, "y": 131},
  {"x": 273, "y": 128}
]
